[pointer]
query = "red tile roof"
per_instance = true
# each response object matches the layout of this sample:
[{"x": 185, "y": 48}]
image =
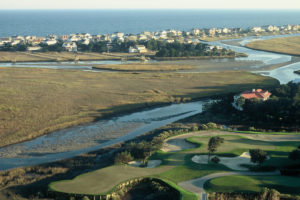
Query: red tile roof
[{"x": 257, "y": 94}]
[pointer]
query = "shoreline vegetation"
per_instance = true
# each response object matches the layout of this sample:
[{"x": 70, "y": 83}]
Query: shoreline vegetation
[
  {"x": 50, "y": 100},
  {"x": 6, "y": 56},
  {"x": 285, "y": 45},
  {"x": 255, "y": 34},
  {"x": 297, "y": 72},
  {"x": 143, "y": 67}
]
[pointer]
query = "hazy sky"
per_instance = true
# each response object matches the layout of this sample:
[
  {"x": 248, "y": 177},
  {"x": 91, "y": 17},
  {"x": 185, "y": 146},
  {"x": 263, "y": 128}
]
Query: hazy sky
[{"x": 149, "y": 4}]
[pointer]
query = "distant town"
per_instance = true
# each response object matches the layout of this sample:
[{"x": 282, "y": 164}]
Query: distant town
[{"x": 134, "y": 43}]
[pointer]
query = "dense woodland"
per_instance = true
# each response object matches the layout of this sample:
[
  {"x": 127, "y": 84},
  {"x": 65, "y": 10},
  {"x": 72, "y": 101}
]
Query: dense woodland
[{"x": 281, "y": 111}]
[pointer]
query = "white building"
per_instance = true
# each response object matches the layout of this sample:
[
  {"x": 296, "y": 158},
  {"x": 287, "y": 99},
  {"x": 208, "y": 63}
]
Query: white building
[
  {"x": 226, "y": 30},
  {"x": 50, "y": 42},
  {"x": 257, "y": 29},
  {"x": 137, "y": 49},
  {"x": 70, "y": 46},
  {"x": 85, "y": 42}
]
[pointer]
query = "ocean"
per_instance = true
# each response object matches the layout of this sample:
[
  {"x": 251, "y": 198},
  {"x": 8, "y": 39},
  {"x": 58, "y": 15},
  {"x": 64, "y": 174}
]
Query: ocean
[{"x": 44, "y": 22}]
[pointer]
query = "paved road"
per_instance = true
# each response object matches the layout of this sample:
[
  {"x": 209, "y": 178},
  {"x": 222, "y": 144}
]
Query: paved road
[{"x": 196, "y": 185}]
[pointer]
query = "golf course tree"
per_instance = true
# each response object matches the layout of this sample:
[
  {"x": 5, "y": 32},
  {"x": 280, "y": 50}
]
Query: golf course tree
[
  {"x": 213, "y": 144},
  {"x": 258, "y": 156},
  {"x": 215, "y": 159},
  {"x": 141, "y": 150},
  {"x": 295, "y": 154},
  {"x": 123, "y": 158}
]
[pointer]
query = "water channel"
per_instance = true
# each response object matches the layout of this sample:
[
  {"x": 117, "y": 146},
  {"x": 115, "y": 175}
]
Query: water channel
[{"x": 76, "y": 140}]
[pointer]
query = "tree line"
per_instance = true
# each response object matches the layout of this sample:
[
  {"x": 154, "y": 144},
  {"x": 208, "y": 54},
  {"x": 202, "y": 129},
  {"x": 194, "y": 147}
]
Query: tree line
[{"x": 281, "y": 111}]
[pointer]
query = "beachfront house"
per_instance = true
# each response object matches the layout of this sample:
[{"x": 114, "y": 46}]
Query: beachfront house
[
  {"x": 70, "y": 46},
  {"x": 258, "y": 94}
]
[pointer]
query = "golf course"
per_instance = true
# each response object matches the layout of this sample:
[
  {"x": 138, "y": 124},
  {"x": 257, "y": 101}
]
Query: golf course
[{"x": 193, "y": 179}]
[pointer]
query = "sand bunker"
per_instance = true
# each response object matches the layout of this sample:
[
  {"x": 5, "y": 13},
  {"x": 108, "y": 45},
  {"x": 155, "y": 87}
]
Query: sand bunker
[
  {"x": 177, "y": 144},
  {"x": 233, "y": 163},
  {"x": 150, "y": 164}
]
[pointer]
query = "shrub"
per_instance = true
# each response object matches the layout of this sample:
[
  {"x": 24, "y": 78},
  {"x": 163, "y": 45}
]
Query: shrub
[
  {"x": 203, "y": 127},
  {"x": 123, "y": 158},
  {"x": 252, "y": 128},
  {"x": 215, "y": 159},
  {"x": 195, "y": 128},
  {"x": 212, "y": 125},
  {"x": 295, "y": 155},
  {"x": 258, "y": 155}
]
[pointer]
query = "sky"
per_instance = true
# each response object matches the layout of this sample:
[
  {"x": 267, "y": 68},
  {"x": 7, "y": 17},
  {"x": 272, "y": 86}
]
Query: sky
[{"x": 149, "y": 4}]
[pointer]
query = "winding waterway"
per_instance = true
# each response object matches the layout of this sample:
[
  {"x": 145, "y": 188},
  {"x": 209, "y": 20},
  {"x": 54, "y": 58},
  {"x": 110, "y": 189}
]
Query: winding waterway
[{"x": 76, "y": 140}]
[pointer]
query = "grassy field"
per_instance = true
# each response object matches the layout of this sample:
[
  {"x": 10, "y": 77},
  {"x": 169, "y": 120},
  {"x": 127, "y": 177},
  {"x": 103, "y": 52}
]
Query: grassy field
[
  {"x": 37, "y": 101},
  {"x": 283, "y": 184},
  {"x": 7, "y": 56},
  {"x": 144, "y": 67},
  {"x": 286, "y": 45}
]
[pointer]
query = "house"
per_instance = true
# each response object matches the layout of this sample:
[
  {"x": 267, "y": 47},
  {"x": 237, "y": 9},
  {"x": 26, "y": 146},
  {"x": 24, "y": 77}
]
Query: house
[
  {"x": 64, "y": 37},
  {"x": 196, "y": 31},
  {"x": 70, "y": 46},
  {"x": 6, "y": 40},
  {"x": 50, "y": 42},
  {"x": 226, "y": 30},
  {"x": 209, "y": 48},
  {"x": 257, "y": 29},
  {"x": 137, "y": 49},
  {"x": 85, "y": 42},
  {"x": 259, "y": 94}
]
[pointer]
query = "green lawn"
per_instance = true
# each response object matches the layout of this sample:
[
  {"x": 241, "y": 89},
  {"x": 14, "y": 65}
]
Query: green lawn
[
  {"x": 283, "y": 184},
  {"x": 103, "y": 180}
]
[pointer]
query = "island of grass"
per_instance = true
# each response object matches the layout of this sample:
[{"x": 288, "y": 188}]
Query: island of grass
[
  {"x": 143, "y": 67},
  {"x": 37, "y": 101},
  {"x": 55, "y": 56},
  {"x": 178, "y": 168},
  {"x": 285, "y": 45}
]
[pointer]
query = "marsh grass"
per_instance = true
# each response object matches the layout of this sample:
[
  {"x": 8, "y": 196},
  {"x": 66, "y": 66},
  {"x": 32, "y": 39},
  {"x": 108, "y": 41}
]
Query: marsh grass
[
  {"x": 34, "y": 102},
  {"x": 285, "y": 45}
]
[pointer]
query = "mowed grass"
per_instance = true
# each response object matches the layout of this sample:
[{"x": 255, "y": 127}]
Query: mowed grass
[
  {"x": 104, "y": 180},
  {"x": 144, "y": 67},
  {"x": 34, "y": 102},
  {"x": 283, "y": 184},
  {"x": 286, "y": 45},
  {"x": 185, "y": 169}
]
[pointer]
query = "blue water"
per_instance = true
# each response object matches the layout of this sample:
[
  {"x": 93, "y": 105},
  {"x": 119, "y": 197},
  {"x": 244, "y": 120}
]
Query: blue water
[{"x": 44, "y": 22}]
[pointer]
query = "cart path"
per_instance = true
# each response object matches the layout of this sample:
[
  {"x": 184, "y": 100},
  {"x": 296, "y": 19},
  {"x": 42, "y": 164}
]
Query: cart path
[{"x": 196, "y": 185}]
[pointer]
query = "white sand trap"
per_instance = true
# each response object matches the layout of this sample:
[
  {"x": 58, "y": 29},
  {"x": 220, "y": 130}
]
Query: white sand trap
[
  {"x": 177, "y": 144},
  {"x": 150, "y": 164},
  {"x": 233, "y": 163}
]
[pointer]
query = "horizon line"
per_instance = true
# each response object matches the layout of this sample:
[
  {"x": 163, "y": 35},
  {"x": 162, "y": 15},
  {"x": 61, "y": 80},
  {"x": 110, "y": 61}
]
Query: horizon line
[{"x": 252, "y": 9}]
